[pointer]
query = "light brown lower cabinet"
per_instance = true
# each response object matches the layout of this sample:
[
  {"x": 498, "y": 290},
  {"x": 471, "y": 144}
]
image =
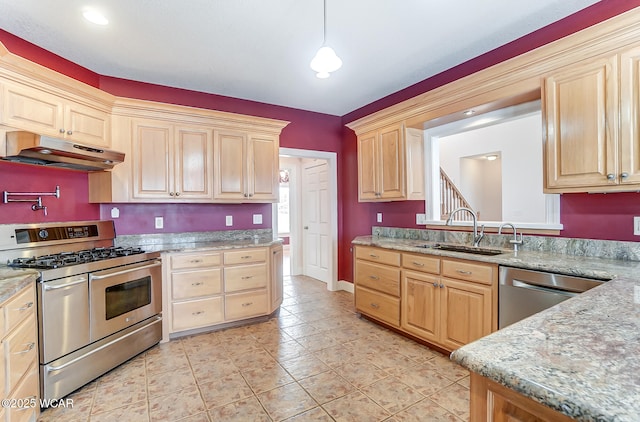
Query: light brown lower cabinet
[
  {"x": 493, "y": 402},
  {"x": 444, "y": 301},
  {"x": 204, "y": 289},
  {"x": 19, "y": 373}
]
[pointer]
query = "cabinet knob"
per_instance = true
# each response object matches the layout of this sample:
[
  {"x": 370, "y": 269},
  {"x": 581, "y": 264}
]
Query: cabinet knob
[
  {"x": 624, "y": 175},
  {"x": 245, "y": 195},
  {"x": 442, "y": 286},
  {"x": 177, "y": 193},
  {"x": 250, "y": 195},
  {"x": 62, "y": 131},
  {"x": 69, "y": 132},
  {"x": 611, "y": 176},
  {"x": 435, "y": 284},
  {"x": 171, "y": 193}
]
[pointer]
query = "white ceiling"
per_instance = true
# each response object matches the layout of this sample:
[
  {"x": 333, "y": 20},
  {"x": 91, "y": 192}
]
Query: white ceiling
[{"x": 260, "y": 49}]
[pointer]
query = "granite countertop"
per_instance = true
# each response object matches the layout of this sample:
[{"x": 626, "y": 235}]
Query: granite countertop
[
  {"x": 581, "y": 357},
  {"x": 12, "y": 280},
  {"x": 210, "y": 245},
  {"x": 581, "y": 266}
]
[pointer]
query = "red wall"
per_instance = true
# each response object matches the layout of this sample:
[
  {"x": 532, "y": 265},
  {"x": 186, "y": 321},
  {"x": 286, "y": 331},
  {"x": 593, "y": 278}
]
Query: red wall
[{"x": 588, "y": 216}]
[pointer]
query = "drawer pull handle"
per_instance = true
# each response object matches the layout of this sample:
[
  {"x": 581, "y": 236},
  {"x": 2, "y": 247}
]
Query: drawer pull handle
[
  {"x": 375, "y": 306},
  {"x": 27, "y": 350},
  {"x": 199, "y": 283},
  {"x": 26, "y": 306},
  {"x": 195, "y": 261},
  {"x": 464, "y": 272},
  {"x": 418, "y": 264},
  {"x": 373, "y": 255},
  {"x": 245, "y": 257},
  {"x": 197, "y": 313},
  {"x": 247, "y": 304},
  {"x": 374, "y": 277}
]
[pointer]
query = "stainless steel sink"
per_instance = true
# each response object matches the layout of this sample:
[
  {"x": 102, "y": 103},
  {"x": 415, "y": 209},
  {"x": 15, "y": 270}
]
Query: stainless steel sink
[{"x": 463, "y": 249}]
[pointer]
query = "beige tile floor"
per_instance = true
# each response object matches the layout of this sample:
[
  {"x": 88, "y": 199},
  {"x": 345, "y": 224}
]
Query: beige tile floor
[{"x": 317, "y": 361}]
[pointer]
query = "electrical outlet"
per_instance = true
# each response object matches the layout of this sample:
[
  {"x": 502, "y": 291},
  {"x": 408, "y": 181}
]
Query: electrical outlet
[
  {"x": 379, "y": 217},
  {"x": 257, "y": 218},
  {"x": 228, "y": 221},
  {"x": 115, "y": 212},
  {"x": 421, "y": 218},
  {"x": 636, "y": 226},
  {"x": 159, "y": 222}
]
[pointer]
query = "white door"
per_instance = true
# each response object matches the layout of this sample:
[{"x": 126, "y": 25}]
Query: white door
[{"x": 316, "y": 220}]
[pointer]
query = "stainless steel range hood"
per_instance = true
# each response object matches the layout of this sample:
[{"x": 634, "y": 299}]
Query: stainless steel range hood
[{"x": 30, "y": 148}]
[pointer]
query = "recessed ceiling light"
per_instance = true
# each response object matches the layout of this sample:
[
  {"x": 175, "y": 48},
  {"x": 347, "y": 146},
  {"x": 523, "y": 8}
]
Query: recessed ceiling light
[
  {"x": 492, "y": 157},
  {"x": 94, "y": 16}
]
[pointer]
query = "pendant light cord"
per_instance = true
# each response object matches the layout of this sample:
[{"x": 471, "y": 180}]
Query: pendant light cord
[{"x": 324, "y": 28}]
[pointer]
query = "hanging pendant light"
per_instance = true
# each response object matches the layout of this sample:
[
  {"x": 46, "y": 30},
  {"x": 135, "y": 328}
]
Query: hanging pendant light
[{"x": 326, "y": 60}]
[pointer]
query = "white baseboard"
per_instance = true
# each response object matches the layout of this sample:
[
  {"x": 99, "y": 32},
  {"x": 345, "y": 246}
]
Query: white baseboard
[{"x": 345, "y": 285}]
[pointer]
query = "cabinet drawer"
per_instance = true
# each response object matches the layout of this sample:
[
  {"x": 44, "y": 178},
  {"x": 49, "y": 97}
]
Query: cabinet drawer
[
  {"x": 244, "y": 305},
  {"x": 19, "y": 307},
  {"x": 190, "y": 284},
  {"x": 20, "y": 351},
  {"x": 197, "y": 313},
  {"x": 245, "y": 277},
  {"x": 378, "y": 255},
  {"x": 378, "y": 305},
  {"x": 26, "y": 391},
  {"x": 427, "y": 264},
  {"x": 383, "y": 278},
  {"x": 471, "y": 271},
  {"x": 195, "y": 260},
  {"x": 245, "y": 256}
]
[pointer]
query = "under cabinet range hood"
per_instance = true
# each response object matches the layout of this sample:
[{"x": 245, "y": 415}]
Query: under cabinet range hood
[{"x": 30, "y": 148}]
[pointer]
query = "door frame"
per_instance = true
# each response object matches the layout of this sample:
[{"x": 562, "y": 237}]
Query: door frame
[{"x": 296, "y": 232}]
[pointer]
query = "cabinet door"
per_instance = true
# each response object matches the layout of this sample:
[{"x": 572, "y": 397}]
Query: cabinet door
[
  {"x": 193, "y": 161},
  {"x": 367, "y": 165},
  {"x": 276, "y": 277},
  {"x": 630, "y": 117},
  {"x": 392, "y": 165},
  {"x": 420, "y": 314},
  {"x": 580, "y": 112},
  {"x": 87, "y": 125},
  {"x": 32, "y": 110},
  {"x": 466, "y": 312},
  {"x": 263, "y": 167},
  {"x": 152, "y": 160},
  {"x": 230, "y": 163}
]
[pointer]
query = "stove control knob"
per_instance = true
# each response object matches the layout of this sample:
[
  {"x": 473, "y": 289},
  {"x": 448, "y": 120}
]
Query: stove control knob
[{"x": 43, "y": 234}]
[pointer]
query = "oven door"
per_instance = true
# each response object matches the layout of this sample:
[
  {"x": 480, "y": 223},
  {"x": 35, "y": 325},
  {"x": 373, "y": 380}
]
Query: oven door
[{"x": 123, "y": 296}]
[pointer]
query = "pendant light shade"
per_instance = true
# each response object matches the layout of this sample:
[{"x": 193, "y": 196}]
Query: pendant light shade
[{"x": 326, "y": 60}]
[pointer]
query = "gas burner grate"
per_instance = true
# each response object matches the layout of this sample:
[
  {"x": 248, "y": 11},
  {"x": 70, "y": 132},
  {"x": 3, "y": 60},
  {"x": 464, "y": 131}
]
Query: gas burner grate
[{"x": 64, "y": 259}]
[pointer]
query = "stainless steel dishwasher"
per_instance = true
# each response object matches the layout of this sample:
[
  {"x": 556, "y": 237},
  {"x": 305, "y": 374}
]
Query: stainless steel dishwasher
[{"x": 523, "y": 293}]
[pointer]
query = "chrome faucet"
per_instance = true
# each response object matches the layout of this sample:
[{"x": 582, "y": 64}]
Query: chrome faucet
[
  {"x": 477, "y": 237},
  {"x": 515, "y": 241}
]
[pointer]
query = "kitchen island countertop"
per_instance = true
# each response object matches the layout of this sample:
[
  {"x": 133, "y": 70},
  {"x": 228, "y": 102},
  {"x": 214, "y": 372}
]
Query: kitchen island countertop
[{"x": 581, "y": 357}]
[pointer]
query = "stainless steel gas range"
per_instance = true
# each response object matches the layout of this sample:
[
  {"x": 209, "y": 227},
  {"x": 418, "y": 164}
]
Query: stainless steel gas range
[{"x": 98, "y": 305}]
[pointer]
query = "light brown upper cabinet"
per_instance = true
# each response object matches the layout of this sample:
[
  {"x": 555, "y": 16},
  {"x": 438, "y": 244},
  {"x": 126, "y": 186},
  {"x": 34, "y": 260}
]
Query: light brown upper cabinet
[
  {"x": 390, "y": 164},
  {"x": 591, "y": 116},
  {"x": 171, "y": 163},
  {"x": 36, "y": 110},
  {"x": 246, "y": 167}
]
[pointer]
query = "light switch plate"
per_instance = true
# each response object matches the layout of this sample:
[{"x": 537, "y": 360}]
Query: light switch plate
[
  {"x": 159, "y": 222},
  {"x": 228, "y": 221},
  {"x": 379, "y": 217},
  {"x": 257, "y": 218}
]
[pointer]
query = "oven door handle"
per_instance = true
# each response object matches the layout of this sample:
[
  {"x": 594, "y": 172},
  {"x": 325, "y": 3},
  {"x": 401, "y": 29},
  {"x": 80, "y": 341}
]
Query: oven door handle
[
  {"x": 128, "y": 270},
  {"x": 47, "y": 287},
  {"x": 79, "y": 358}
]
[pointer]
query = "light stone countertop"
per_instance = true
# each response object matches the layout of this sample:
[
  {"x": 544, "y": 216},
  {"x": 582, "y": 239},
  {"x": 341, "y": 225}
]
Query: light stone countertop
[
  {"x": 581, "y": 357},
  {"x": 581, "y": 266},
  {"x": 210, "y": 245},
  {"x": 12, "y": 280}
]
